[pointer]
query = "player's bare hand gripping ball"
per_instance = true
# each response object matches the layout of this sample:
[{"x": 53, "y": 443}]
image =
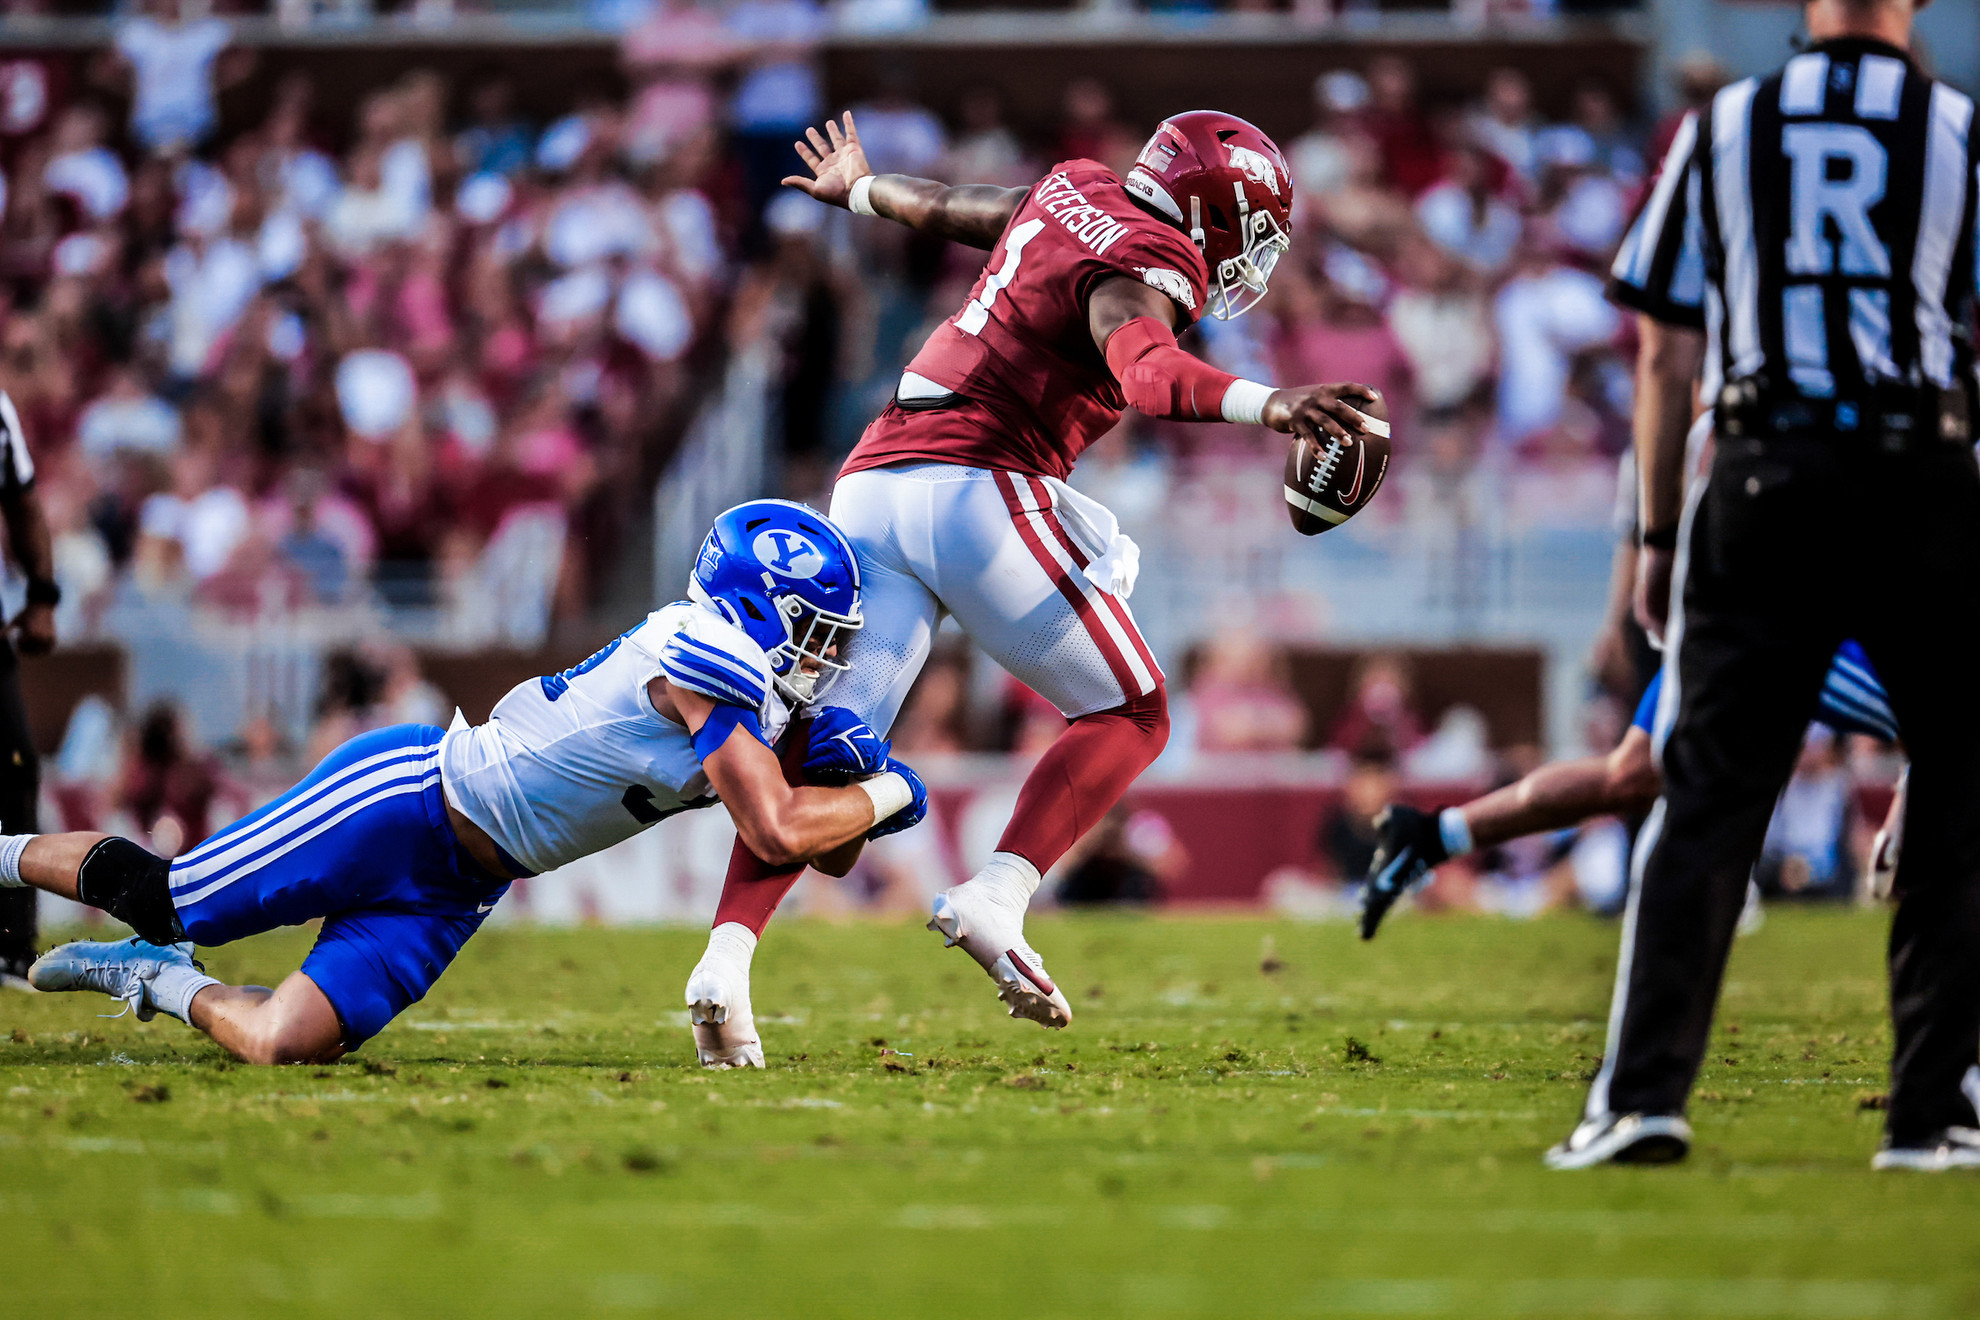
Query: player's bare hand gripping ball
[
  {"x": 1316, "y": 411},
  {"x": 1331, "y": 477}
]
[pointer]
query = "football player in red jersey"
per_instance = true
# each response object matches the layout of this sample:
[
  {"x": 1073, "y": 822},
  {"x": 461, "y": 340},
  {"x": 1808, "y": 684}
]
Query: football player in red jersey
[{"x": 955, "y": 498}]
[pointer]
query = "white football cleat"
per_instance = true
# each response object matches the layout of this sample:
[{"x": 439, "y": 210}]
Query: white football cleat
[
  {"x": 718, "y": 1007},
  {"x": 122, "y": 969},
  {"x": 989, "y": 926}
]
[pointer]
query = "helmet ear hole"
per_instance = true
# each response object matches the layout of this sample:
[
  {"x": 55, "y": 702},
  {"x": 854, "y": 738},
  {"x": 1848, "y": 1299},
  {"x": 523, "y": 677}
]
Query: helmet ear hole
[{"x": 749, "y": 608}]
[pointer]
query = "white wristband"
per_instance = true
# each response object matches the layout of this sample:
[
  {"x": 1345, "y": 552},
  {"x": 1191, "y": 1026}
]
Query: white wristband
[
  {"x": 858, "y": 201},
  {"x": 1244, "y": 402},
  {"x": 890, "y": 793}
]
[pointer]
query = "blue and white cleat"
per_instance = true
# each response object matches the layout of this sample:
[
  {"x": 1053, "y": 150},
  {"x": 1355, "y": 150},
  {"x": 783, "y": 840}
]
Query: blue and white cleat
[
  {"x": 718, "y": 1009},
  {"x": 122, "y": 969},
  {"x": 988, "y": 924}
]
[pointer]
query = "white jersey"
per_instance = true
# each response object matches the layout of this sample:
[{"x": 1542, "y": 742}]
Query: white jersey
[{"x": 570, "y": 764}]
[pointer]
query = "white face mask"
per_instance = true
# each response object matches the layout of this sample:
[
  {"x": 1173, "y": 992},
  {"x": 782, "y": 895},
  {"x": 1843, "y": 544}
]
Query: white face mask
[
  {"x": 1242, "y": 280},
  {"x": 817, "y": 637}
]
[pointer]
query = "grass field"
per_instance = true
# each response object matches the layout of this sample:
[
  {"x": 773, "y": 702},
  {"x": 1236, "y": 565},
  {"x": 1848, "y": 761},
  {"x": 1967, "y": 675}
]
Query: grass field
[{"x": 1248, "y": 1118}]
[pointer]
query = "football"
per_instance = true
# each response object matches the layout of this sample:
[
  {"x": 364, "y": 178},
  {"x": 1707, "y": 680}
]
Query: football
[{"x": 1328, "y": 483}]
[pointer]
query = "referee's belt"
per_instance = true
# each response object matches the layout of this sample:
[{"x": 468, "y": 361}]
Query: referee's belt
[{"x": 1896, "y": 417}]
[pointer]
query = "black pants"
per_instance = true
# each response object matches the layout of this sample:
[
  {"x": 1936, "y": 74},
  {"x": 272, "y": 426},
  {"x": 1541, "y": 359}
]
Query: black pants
[
  {"x": 20, "y": 793},
  {"x": 1795, "y": 544}
]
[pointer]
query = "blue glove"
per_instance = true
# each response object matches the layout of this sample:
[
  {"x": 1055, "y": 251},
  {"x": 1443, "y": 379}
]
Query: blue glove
[
  {"x": 843, "y": 747},
  {"x": 910, "y": 815}
]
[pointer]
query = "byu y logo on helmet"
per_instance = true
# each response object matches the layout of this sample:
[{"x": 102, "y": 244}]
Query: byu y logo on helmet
[
  {"x": 788, "y": 554},
  {"x": 786, "y": 576}
]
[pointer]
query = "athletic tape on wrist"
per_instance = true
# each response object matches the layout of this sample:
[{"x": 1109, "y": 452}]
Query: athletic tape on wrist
[
  {"x": 11, "y": 848},
  {"x": 1244, "y": 402},
  {"x": 1454, "y": 830},
  {"x": 890, "y": 793},
  {"x": 859, "y": 201}
]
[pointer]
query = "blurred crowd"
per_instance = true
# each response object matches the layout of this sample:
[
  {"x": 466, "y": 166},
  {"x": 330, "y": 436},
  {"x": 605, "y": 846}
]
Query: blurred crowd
[{"x": 428, "y": 359}]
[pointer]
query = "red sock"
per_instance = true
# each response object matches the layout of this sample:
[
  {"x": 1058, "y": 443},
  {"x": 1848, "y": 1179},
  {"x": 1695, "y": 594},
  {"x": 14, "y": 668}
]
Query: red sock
[
  {"x": 1082, "y": 776},
  {"x": 753, "y": 889}
]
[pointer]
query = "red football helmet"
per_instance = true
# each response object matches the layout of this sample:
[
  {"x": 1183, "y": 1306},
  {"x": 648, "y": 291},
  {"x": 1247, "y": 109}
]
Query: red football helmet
[{"x": 1228, "y": 185}]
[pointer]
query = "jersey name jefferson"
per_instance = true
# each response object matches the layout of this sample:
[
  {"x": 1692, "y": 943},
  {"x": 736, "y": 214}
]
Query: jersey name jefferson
[
  {"x": 570, "y": 764},
  {"x": 1086, "y": 222}
]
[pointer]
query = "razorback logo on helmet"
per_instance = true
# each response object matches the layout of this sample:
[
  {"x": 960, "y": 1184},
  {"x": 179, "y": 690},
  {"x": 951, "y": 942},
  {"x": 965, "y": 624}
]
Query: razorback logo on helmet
[
  {"x": 1255, "y": 165},
  {"x": 1171, "y": 282}
]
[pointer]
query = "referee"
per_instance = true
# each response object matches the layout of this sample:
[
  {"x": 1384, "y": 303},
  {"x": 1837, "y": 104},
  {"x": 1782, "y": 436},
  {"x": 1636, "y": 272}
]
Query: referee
[
  {"x": 1811, "y": 246},
  {"x": 33, "y": 631}
]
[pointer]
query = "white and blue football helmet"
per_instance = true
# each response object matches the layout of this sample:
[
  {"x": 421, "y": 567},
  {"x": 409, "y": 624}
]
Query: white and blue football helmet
[{"x": 785, "y": 575}]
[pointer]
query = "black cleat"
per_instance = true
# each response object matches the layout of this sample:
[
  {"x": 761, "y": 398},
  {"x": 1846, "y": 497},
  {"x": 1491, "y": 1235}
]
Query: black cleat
[{"x": 1408, "y": 847}]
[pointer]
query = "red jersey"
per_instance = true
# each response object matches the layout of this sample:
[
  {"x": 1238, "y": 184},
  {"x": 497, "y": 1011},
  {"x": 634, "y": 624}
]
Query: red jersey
[{"x": 1030, "y": 391}]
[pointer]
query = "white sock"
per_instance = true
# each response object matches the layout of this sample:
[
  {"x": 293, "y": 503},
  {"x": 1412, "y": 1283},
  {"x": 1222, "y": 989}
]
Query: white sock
[
  {"x": 732, "y": 942},
  {"x": 1010, "y": 874},
  {"x": 1455, "y": 830},
  {"x": 172, "y": 990},
  {"x": 11, "y": 848}
]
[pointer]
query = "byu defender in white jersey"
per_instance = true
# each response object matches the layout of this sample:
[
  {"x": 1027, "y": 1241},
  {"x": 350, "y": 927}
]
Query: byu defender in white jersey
[
  {"x": 570, "y": 764},
  {"x": 403, "y": 839}
]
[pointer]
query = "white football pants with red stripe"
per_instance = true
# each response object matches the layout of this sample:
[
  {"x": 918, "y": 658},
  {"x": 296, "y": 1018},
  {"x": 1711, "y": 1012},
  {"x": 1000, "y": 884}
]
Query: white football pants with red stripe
[{"x": 989, "y": 549}]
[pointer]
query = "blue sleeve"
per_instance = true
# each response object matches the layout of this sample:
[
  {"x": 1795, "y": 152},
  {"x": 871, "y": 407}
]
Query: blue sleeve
[
  {"x": 1853, "y": 698},
  {"x": 723, "y": 721},
  {"x": 700, "y": 666},
  {"x": 1646, "y": 709}
]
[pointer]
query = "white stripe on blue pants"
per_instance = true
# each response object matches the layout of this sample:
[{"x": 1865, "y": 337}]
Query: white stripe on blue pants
[{"x": 363, "y": 842}]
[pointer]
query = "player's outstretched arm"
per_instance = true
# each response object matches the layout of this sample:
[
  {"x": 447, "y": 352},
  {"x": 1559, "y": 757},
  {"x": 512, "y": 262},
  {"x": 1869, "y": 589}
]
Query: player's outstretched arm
[
  {"x": 785, "y": 824},
  {"x": 1411, "y": 843},
  {"x": 1133, "y": 324},
  {"x": 1567, "y": 793},
  {"x": 971, "y": 213}
]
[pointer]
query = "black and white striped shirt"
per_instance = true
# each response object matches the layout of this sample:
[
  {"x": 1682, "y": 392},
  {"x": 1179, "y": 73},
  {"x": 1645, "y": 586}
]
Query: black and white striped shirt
[
  {"x": 16, "y": 464},
  {"x": 1818, "y": 225}
]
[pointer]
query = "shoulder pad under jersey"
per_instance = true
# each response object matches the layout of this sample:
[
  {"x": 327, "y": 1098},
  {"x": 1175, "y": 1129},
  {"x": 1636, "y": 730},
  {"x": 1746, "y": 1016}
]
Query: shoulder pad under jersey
[{"x": 710, "y": 655}]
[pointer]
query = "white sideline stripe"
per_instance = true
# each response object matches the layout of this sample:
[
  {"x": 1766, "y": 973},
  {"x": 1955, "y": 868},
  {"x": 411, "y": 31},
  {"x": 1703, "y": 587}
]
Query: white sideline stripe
[
  {"x": 1130, "y": 654},
  {"x": 1702, "y": 1298},
  {"x": 398, "y": 790},
  {"x": 241, "y": 845},
  {"x": 227, "y": 837},
  {"x": 1299, "y": 501}
]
